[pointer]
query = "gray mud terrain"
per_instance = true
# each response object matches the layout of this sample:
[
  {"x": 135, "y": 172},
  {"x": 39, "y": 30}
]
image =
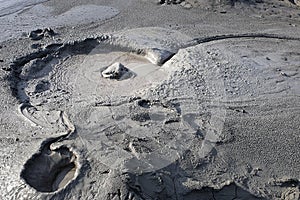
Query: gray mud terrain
[{"x": 188, "y": 99}]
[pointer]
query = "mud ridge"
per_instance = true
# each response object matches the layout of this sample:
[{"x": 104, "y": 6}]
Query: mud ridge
[{"x": 201, "y": 40}]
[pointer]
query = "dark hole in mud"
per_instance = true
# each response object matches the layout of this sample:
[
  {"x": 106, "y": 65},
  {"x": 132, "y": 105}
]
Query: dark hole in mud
[
  {"x": 289, "y": 183},
  {"x": 144, "y": 103},
  {"x": 42, "y": 86},
  {"x": 40, "y": 33},
  {"x": 50, "y": 170},
  {"x": 36, "y": 46}
]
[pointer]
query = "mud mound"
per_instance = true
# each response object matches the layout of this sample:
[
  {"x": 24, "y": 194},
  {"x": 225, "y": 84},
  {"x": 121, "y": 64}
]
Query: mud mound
[{"x": 172, "y": 112}]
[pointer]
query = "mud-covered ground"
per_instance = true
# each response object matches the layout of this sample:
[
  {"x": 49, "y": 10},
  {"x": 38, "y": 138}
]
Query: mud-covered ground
[{"x": 138, "y": 99}]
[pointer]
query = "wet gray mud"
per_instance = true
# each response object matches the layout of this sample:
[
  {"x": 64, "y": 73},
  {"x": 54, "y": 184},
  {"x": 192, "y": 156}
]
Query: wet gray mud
[
  {"x": 55, "y": 165},
  {"x": 41, "y": 62},
  {"x": 50, "y": 170},
  {"x": 231, "y": 191},
  {"x": 161, "y": 185},
  {"x": 159, "y": 132}
]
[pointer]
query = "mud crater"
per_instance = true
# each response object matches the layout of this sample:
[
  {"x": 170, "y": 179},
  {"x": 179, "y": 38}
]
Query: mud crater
[
  {"x": 51, "y": 170},
  {"x": 31, "y": 74},
  {"x": 49, "y": 74}
]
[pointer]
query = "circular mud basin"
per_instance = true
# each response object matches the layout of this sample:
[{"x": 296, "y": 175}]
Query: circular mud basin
[{"x": 50, "y": 170}]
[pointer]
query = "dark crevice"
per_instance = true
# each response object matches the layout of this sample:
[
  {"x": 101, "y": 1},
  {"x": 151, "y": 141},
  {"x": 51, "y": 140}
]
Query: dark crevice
[
  {"x": 235, "y": 193},
  {"x": 213, "y": 194}
]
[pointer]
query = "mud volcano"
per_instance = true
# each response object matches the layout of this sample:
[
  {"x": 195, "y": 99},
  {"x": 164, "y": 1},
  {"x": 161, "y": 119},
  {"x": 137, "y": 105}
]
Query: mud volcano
[
  {"x": 50, "y": 170},
  {"x": 164, "y": 125}
]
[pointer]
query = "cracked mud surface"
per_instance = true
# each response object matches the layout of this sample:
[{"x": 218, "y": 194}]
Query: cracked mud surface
[{"x": 183, "y": 102}]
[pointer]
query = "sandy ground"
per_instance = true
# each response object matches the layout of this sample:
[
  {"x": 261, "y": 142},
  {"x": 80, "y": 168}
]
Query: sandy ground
[{"x": 138, "y": 99}]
